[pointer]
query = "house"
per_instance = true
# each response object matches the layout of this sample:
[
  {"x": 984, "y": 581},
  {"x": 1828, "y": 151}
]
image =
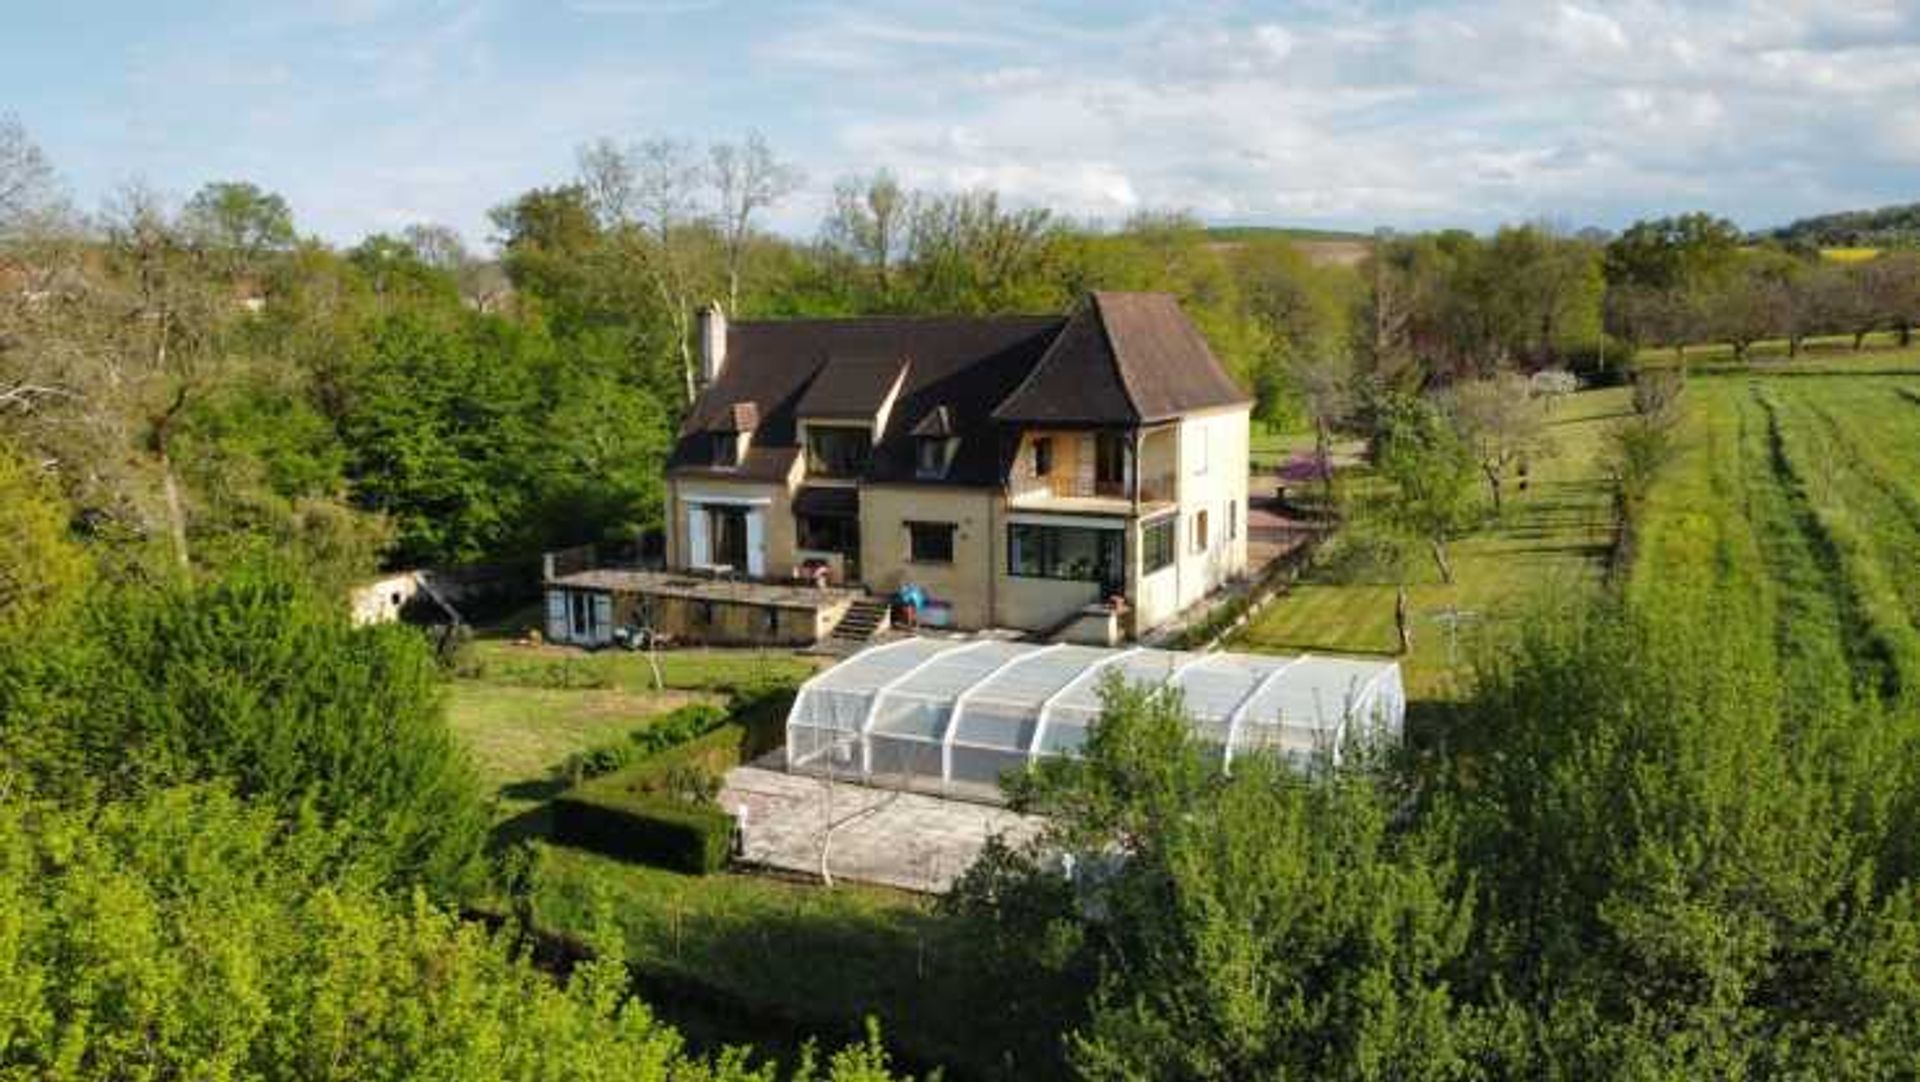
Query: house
[{"x": 1084, "y": 473}]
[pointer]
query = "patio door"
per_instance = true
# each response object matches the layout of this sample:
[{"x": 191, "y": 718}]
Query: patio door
[{"x": 727, "y": 529}]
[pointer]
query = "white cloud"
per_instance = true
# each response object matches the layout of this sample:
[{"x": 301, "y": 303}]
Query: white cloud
[{"x": 1343, "y": 112}]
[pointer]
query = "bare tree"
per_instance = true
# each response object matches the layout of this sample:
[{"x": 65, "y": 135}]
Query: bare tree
[
  {"x": 869, "y": 223},
  {"x": 746, "y": 179},
  {"x": 27, "y": 185},
  {"x": 438, "y": 246},
  {"x": 1503, "y": 425},
  {"x": 646, "y": 197},
  {"x": 164, "y": 351}
]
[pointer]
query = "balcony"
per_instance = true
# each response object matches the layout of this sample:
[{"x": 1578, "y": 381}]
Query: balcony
[{"x": 1077, "y": 493}]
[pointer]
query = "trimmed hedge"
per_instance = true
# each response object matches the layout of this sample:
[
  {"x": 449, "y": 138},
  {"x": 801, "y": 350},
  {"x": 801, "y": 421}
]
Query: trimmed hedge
[
  {"x": 633, "y": 814},
  {"x": 644, "y": 827}
]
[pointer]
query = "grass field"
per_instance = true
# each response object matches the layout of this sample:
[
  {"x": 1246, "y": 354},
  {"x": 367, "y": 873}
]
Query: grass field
[
  {"x": 1879, "y": 352},
  {"x": 1553, "y": 537},
  {"x": 521, "y": 709},
  {"x": 1796, "y": 507}
]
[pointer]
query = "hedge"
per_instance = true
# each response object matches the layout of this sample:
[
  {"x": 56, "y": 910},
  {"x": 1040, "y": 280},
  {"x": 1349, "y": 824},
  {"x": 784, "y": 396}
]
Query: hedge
[
  {"x": 631, "y": 813},
  {"x": 644, "y": 827}
]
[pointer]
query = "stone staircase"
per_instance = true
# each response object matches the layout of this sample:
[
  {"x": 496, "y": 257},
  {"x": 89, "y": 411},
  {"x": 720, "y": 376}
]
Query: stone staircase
[{"x": 866, "y": 618}]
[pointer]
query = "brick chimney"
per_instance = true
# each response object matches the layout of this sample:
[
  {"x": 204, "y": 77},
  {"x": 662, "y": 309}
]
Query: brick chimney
[{"x": 713, "y": 342}]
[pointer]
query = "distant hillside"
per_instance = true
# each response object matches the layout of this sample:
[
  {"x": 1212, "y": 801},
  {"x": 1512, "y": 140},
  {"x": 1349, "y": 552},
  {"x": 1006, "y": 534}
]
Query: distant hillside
[
  {"x": 1255, "y": 232},
  {"x": 1323, "y": 247},
  {"x": 1887, "y": 227}
]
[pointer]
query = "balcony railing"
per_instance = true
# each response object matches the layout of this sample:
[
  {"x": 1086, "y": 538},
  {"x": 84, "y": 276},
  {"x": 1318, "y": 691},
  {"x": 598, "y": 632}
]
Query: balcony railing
[{"x": 1155, "y": 489}]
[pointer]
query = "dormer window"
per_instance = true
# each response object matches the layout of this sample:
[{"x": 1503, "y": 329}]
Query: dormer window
[
  {"x": 837, "y": 451},
  {"x": 935, "y": 439},
  {"x": 932, "y": 456},
  {"x": 728, "y": 442}
]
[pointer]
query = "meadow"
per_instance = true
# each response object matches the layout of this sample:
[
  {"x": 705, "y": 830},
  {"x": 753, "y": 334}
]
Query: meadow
[
  {"x": 1553, "y": 537},
  {"x": 1796, "y": 504}
]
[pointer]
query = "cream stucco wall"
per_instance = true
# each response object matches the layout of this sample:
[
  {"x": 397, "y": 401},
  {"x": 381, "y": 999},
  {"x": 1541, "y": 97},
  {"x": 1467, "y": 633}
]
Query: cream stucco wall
[
  {"x": 777, "y": 541},
  {"x": 966, "y": 582},
  {"x": 1206, "y": 452},
  {"x": 1212, "y": 463}
]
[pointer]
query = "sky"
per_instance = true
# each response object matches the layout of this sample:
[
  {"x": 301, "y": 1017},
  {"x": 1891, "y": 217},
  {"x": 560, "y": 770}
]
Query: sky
[{"x": 369, "y": 115}]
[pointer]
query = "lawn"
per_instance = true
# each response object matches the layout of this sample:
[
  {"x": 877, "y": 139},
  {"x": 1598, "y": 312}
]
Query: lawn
[
  {"x": 522, "y": 709},
  {"x": 1552, "y": 538}
]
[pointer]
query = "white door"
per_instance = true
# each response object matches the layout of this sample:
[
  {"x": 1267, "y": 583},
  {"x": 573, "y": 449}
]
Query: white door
[
  {"x": 602, "y": 632},
  {"x": 757, "y": 544},
  {"x": 699, "y": 552}
]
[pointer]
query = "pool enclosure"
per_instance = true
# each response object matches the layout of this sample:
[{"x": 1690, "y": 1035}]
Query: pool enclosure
[{"x": 953, "y": 716}]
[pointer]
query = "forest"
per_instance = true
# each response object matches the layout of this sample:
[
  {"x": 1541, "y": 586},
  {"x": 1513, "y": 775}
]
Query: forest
[{"x": 1664, "y": 831}]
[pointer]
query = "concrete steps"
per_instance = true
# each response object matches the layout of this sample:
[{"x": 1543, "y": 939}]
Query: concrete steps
[{"x": 866, "y": 618}]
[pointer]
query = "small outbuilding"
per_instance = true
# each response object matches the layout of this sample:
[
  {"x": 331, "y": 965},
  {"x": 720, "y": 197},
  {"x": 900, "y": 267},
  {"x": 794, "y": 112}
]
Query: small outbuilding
[{"x": 954, "y": 716}]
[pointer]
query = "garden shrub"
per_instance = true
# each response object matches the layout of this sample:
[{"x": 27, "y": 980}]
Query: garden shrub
[
  {"x": 657, "y": 806},
  {"x": 613, "y": 819}
]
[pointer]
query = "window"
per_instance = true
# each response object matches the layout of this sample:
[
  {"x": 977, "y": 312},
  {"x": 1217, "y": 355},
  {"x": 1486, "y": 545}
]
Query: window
[
  {"x": 819, "y": 533},
  {"x": 1199, "y": 531},
  {"x": 1200, "y": 450},
  {"x": 1043, "y": 456},
  {"x": 770, "y": 621},
  {"x": 582, "y": 608},
  {"x": 930, "y": 542},
  {"x": 1110, "y": 464},
  {"x": 1233, "y": 520},
  {"x": 931, "y": 455},
  {"x": 1156, "y": 545},
  {"x": 700, "y": 613},
  {"x": 726, "y": 449},
  {"x": 837, "y": 452},
  {"x": 1067, "y": 552},
  {"x": 727, "y": 534}
]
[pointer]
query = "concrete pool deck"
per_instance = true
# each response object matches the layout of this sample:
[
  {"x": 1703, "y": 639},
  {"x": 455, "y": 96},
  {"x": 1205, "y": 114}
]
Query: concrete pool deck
[{"x": 898, "y": 839}]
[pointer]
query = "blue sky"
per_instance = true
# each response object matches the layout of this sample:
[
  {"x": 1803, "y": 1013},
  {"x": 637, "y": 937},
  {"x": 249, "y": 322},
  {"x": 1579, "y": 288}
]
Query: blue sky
[{"x": 370, "y": 114}]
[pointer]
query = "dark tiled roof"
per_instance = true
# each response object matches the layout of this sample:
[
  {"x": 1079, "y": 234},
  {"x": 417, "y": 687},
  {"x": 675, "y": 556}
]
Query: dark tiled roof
[
  {"x": 850, "y": 388},
  {"x": 937, "y": 424},
  {"x": 1122, "y": 358},
  {"x": 1126, "y": 358},
  {"x": 967, "y": 365}
]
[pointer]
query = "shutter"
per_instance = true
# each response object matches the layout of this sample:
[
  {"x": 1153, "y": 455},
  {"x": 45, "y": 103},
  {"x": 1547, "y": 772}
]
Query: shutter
[
  {"x": 699, "y": 552},
  {"x": 556, "y": 616},
  {"x": 602, "y": 630},
  {"x": 1083, "y": 468},
  {"x": 756, "y": 544}
]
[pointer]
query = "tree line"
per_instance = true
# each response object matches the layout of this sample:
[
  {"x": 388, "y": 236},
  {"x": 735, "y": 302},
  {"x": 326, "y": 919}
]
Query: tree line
[{"x": 199, "y": 379}]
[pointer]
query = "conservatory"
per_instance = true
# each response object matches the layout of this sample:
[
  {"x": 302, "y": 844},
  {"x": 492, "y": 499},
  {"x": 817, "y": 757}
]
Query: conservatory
[{"x": 953, "y": 716}]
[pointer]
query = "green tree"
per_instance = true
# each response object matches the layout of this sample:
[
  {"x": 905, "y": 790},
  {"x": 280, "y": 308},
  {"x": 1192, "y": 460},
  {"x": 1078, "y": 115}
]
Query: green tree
[
  {"x": 1680, "y": 869},
  {"x": 239, "y": 219},
  {"x": 189, "y": 934},
  {"x": 1429, "y": 470},
  {"x": 1266, "y": 924},
  {"x": 438, "y": 416},
  {"x": 42, "y": 570},
  {"x": 257, "y": 680}
]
